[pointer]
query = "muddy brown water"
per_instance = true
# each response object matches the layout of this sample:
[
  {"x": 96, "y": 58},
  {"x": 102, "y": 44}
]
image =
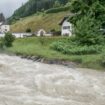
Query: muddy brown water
[{"x": 24, "y": 82}]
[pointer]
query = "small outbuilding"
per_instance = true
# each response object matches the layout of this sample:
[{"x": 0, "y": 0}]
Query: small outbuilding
[
  {"x": 41, "y": 32},
  {"x": 66, "y": 27}
]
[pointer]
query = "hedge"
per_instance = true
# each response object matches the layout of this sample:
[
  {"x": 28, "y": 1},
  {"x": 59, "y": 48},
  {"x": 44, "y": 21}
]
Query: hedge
[{"x": 55, "y": 10}]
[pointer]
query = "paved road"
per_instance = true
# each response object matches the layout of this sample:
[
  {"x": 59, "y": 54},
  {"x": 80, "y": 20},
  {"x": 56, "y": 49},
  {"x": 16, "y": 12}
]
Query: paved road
[{"x": 23, "y": 82}]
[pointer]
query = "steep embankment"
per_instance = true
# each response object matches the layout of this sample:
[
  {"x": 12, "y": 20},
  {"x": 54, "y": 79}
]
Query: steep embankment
[{"x": 36, "y": 22}]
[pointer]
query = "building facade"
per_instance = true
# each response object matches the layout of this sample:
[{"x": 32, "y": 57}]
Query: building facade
[
  {"x": 4, "y": 28},
  {"x": 66, "y": 27}
]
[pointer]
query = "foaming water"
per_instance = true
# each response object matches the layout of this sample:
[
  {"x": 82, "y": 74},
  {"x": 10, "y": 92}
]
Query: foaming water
[{"x": 23, "y": 82}]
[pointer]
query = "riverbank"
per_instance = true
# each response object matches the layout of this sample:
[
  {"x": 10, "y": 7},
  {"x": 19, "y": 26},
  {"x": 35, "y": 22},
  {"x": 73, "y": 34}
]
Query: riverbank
[
  {"x": 38, "y": 49},
  {"x": 50, "y": 61}
]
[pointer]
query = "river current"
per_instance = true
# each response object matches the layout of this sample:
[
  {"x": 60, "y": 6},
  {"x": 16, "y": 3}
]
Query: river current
[{"x": 24, "y": 82}]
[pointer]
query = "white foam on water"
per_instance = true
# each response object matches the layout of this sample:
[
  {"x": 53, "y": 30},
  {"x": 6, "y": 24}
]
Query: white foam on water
[{"x": 24, "y": 82}]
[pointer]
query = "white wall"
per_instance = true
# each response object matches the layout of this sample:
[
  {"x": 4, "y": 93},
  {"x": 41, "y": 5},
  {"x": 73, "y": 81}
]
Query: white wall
[
  {"x": 66, "y": 31},
  {"x": 48, "y": 35},
  {"x": 21, "y": 35},
  {"x": 4, "y": 28},
  {"x": 18, "y": 35},
  {"x": 2, "y": 34}
]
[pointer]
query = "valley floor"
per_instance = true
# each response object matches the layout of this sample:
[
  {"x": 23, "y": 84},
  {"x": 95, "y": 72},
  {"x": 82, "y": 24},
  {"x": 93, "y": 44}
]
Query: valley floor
[{"x": 41, "y": 47}]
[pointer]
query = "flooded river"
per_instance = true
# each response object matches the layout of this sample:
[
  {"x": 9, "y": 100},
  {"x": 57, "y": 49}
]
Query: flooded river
[{"x": 24, "y": 82}]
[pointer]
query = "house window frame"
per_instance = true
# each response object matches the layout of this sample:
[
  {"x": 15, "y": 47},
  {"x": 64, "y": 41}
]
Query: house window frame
[{"x": 66, "y": 27}]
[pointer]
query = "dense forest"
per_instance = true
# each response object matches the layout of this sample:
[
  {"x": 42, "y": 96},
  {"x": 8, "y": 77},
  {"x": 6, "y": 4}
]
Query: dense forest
[
  {"x": 33, "y": 6},
  {"x": 89, "y": 20}
]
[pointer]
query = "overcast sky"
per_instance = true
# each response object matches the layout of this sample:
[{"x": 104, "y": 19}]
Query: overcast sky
[{"x": 8, "y": 6}]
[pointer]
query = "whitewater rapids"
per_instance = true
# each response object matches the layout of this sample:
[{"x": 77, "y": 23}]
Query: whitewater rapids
[{"x": 24, "y": 82}]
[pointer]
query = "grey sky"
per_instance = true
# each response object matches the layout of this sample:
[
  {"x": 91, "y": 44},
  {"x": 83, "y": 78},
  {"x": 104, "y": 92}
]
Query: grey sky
[{"x": 8, "y": 6}]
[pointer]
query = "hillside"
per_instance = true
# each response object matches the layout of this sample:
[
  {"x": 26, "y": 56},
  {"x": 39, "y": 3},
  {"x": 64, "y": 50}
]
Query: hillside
[
  {"x": 36, "y": 22},
  {"x": 33, "y": 6}
]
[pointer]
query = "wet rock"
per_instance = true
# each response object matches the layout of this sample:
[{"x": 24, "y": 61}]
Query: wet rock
[
  {"x": 33, "y": 58},
  {"x": 43, "y": 60}
]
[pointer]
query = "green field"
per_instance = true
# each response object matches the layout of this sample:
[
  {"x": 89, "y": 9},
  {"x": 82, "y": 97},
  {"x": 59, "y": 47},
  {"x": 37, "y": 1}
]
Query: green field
[
  {"x": 39, "y": 21},
  {"x": 41, "y": 47}
]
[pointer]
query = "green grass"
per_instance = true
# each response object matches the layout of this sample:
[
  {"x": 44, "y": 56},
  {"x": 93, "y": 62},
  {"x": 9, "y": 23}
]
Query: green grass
[
  {"x": 41, "y": 47},
  {"x": 39, "y": 21}
]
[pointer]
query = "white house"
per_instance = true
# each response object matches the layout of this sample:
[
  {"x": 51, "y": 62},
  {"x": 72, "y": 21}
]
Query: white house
[
  {"x": 4, "y": 28},
  {"x": 66, "y": 27}
]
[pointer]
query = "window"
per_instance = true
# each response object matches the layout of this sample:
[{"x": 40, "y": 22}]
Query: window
[
  {"x": 66, "y": 27},
  {"x": 5, "y": 30}
]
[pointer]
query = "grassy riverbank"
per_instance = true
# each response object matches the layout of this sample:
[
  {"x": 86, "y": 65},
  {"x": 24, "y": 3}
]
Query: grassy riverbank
[{"x": 41, "y": 47}]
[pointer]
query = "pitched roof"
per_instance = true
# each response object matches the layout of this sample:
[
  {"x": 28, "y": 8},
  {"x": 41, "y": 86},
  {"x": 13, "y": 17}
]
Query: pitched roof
[{"x": 65, "y": 18}]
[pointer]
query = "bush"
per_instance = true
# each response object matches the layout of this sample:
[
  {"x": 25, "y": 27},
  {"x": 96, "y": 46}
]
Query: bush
[
  {"x": 8, "y": 39},
  {"x": 77, "y": 60},
  {"x": 56, "y": 10},
  {"x": 87, "y": 31},
  {"x": 28, "y": 30},
  {"x": 102, "y": 61},
  {"x": 55, "y": 33},
  {"x": 69, "y": 48},
  {"x": 42, "y": 40},
  {"x": 1, "y": 45}
]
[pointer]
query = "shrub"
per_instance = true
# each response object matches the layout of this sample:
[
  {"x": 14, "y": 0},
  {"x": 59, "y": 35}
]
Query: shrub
[
  {"x": 55, "y": 33},
  {"x": 87, "y": 31},
  {"x": 69, "y": 48},
  {"x": 57, "y": 4},
  {"x": 56, "y": 10},
  {"x": 42, "y": 41},
  {"x": 78, "y": 60},
  {"x": 28, "y": 30},
  {"x": 103, "y": 60},
  {"x": 8, "y": 39},
  {"x": 1, "y": 45}
]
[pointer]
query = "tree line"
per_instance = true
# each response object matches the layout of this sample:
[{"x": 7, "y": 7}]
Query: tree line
[
  {"x": 88, "y": 20},
  {"x": 33, "y": 6}
]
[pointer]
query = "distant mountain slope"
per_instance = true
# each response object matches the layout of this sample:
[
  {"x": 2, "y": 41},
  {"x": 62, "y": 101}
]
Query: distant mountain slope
[
  {"x": 33, "y": 6},
  {"x": 36, "y": 22}
]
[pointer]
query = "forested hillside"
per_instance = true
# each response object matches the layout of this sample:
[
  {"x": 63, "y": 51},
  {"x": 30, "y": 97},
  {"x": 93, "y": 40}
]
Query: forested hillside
[{"x": 34, "y": 6}]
